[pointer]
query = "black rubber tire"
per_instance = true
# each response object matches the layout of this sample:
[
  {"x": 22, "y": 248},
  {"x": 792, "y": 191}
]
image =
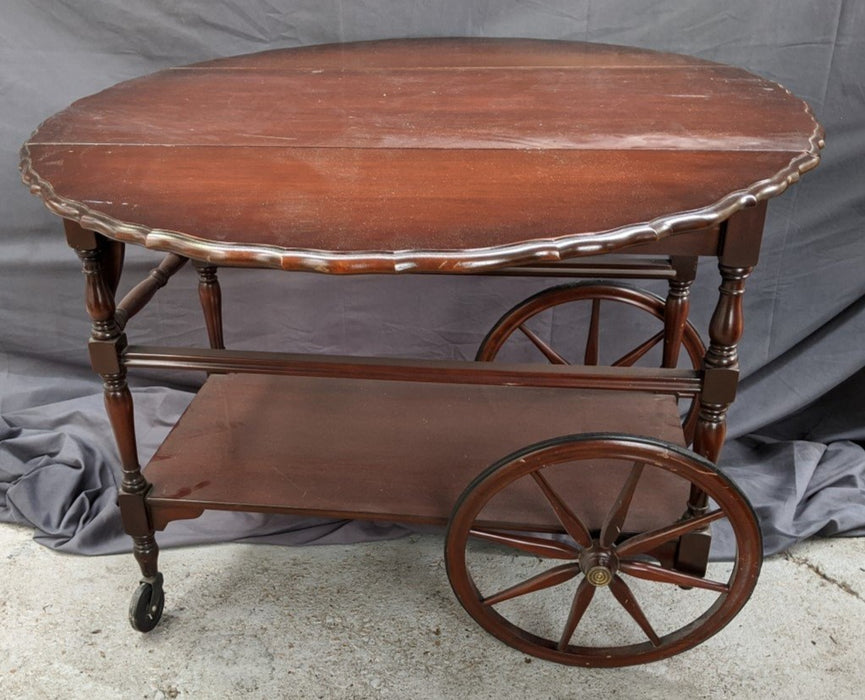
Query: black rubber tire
[{"x": 145, "y": 609}]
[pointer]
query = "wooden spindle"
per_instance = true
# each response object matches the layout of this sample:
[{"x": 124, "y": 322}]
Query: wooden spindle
[
  {"x": 677, "y": 307},
  {"x": 141, "y": 294},
  {"x": 210, "y": 295}
]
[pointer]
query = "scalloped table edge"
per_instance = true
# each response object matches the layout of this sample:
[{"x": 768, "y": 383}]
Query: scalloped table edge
[{"x": 540, "y": 250}]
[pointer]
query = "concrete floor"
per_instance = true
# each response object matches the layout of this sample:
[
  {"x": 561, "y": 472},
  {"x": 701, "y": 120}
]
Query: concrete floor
[{"x": 379, "y": 621}]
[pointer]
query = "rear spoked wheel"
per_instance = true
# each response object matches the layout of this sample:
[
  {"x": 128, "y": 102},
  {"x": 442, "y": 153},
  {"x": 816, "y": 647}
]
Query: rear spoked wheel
[{"x": 599, "y": 310}]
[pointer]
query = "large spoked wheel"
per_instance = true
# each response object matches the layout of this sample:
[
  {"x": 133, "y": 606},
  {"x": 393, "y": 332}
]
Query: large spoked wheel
[
  {"x": 580, "y": 305},
  {"x": 586, "y": 586}
]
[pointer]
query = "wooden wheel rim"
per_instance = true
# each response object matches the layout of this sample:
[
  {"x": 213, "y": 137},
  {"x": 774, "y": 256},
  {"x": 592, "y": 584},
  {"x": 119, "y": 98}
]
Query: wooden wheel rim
[
  {"x": 546, "y": 299},
  {"x": 674, "y": 459}
]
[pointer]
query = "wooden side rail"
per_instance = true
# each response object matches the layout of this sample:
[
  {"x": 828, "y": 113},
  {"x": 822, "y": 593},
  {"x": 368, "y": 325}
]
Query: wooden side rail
[
  {"x": 602, "y": 266},
  {"x": 144, "y": 291},
  {"x": 678, "y": 382}
]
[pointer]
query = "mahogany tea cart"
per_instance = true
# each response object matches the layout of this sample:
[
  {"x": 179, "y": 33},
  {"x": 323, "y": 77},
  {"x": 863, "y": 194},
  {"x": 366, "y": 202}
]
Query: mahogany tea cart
[{"x": 567, "y": 482}]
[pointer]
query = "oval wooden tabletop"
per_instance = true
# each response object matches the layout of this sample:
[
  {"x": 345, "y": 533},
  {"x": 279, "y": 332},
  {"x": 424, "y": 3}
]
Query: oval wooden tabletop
[{"x": 420, "y": 155}]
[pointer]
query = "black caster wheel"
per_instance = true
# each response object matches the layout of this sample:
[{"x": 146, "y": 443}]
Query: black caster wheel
[{"x": 145, "y": 609}]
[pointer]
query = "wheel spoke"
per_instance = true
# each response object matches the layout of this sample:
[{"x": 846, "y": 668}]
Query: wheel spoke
[
  {"x": 533, "y": 545},
  {"x": 582, "y": 598},
  {"x": 547, "y": 579},
  {"x": 549, "y": 353},
  {"x": 630, "y": 358},
  {"x": 651, "y": 572},
  {"x": 647, "y": 541},
  {"x": 623, "y": 594},
  {"x": 572, "y": 524},
  {"x": 612, "y": 527},
  {"x": 591, "y": 356}
]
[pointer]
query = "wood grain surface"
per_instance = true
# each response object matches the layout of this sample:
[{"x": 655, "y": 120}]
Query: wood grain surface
[
  {"x": 452, "y": 155},
  {"x": 392, "y": 449}
]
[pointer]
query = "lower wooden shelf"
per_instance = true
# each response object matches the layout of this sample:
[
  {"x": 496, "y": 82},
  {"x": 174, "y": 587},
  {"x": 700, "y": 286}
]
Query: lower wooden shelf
[{"x": 391, "y": 450}]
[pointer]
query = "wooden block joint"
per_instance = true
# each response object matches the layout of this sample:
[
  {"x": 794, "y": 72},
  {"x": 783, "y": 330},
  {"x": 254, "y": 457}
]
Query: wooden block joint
[
  {"x": 105, "y": 354},
  {"x": 719, "y": 385},
  {"x": 133, "y": 514},
  {"x": 692, "y": 554},
  {"x": 78, "y": 237}
]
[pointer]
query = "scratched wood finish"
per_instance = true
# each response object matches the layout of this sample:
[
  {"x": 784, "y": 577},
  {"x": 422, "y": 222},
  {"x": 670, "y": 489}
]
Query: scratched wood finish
[
  {"x": 451, "y": 155},
  {"x": 388, "y": 449}
]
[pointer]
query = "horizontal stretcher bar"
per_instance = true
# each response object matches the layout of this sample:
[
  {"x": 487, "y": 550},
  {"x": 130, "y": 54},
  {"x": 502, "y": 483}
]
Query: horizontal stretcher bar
[
  {"x": 679, "y": 382},
  {"x": 604, "y": 266}
]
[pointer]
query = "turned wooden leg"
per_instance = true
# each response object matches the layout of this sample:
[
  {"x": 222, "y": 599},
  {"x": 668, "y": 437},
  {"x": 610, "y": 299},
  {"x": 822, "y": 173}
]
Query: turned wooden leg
[
  {"x": 721, "y": 365},
  {"x": 721, "y": 373},
  {"x": 146, "y": 553},
  {"x": 741, "y": 245},
  {"x": 210, "y": 295},
  {"x": 721, "y": 368},
  {"x": 107, "y": 343},
  {"x": 742, "y": 234},
  {"x": 113, "y": 255},
  {"x": 133, "y": 486}
]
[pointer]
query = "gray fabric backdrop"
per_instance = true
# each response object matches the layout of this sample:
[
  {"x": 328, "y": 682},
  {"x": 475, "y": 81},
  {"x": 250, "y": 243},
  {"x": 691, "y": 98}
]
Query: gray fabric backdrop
[{"x": 799, "y": 422}]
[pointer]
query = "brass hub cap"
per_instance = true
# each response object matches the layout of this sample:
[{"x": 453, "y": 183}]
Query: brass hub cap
[
  {"x": 599, "y": 576},
  {"x": 599, "y": 565}
]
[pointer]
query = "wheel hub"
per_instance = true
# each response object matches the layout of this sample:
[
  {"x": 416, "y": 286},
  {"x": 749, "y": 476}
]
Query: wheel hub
[{"x": 599, "y": 565}]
